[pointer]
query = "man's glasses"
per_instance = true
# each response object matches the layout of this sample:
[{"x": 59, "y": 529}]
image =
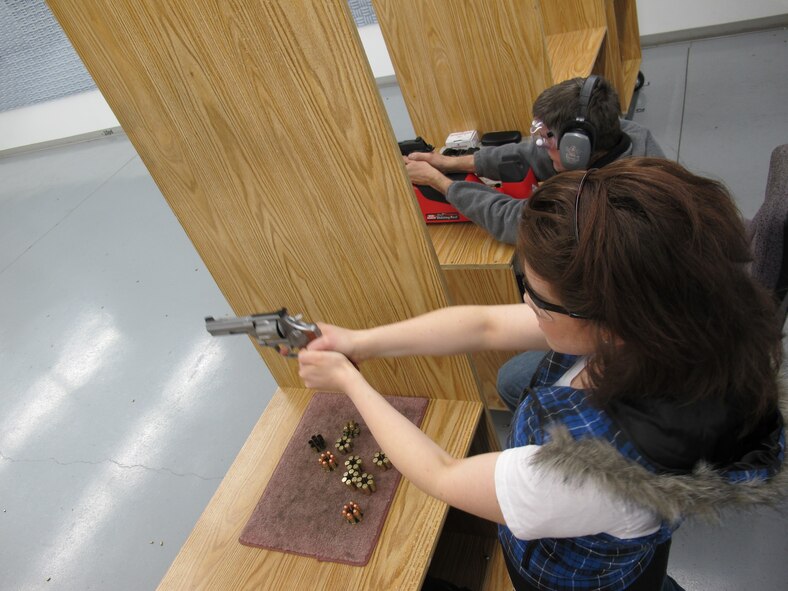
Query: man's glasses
[
  {"x": 543, "y": 140},
  {"x": 547, "y": 306}
]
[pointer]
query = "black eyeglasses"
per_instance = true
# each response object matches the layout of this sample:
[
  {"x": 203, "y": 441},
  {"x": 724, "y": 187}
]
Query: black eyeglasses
[{"x": 547, "y": 306}]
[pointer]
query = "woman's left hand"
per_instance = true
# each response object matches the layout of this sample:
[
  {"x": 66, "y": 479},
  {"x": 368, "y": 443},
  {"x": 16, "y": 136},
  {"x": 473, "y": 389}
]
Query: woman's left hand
[{"x": 326, "y": 370}]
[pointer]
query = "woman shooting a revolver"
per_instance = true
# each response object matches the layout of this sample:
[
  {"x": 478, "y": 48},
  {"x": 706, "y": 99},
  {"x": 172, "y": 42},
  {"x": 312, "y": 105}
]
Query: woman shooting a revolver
[{"x": 658, "y": 399}]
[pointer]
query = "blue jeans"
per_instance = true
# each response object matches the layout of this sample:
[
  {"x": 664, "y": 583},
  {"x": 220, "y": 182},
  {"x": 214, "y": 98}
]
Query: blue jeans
[{"x": 515, "y": 376}]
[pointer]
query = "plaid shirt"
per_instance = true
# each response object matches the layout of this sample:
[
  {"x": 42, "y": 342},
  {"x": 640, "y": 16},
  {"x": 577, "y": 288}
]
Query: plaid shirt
[{"x": 599, "y": 561}]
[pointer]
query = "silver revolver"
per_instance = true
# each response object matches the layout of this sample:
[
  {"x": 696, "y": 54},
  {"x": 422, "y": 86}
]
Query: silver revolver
[{"x": 287, "y": 334}]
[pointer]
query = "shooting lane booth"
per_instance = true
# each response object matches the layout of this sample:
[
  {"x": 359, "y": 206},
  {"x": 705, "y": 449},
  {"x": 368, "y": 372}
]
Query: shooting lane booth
[
  {"x": 480, "y": 66},
  {"x": 263, "y": 128}
]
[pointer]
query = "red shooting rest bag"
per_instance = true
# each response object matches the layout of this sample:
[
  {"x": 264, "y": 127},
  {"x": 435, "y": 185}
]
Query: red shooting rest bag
[{"x": 437, "y": 210}]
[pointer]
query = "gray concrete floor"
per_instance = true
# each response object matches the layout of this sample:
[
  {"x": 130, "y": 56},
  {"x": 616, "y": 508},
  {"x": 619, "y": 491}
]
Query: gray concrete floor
[{"x": 120, "y": 415}]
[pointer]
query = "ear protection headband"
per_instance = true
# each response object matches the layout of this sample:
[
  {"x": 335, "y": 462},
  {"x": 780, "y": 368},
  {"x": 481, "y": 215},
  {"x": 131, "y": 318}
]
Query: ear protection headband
[{"x": 576, "y": 142}]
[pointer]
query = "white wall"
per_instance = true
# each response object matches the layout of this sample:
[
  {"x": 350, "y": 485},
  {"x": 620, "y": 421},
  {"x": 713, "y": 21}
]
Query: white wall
[
  {"x": 65, "y": 117},
  {"x": 377, "y": 54},
  {"x": 87, "y": 112},
  {"x": 668, "y": 16}
]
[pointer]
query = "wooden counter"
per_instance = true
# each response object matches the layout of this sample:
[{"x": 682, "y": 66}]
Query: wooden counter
[{"x": 212, "y": 558}]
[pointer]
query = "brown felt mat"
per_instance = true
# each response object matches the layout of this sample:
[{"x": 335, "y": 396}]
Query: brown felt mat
[{"x": 299, "y": 511}]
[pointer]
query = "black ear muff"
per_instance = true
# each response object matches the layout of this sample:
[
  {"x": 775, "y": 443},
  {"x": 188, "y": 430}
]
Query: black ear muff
[{"x": 576, "y": 142}]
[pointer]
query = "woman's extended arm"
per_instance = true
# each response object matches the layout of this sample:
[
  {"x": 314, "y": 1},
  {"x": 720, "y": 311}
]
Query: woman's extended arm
[
  {"x": 468, "y": 484},
  {"x": 448, "y": 331}
]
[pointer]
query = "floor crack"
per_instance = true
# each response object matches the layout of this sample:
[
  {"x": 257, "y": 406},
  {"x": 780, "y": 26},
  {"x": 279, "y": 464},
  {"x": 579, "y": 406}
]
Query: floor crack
[{"x": 111, "y": 461}]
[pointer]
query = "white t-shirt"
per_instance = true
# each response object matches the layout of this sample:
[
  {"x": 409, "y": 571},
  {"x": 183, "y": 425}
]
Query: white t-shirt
[{"x": 538, "y": 503}]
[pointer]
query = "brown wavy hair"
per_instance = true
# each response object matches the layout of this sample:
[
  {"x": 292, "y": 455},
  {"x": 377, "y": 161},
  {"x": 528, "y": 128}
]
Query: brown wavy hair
[{"x": 660, "y": 260}]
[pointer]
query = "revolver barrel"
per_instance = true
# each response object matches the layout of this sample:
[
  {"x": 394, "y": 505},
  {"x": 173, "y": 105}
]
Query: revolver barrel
[
  {"x": 257, "y": 325},
  {"x": 277, "y": 329}
]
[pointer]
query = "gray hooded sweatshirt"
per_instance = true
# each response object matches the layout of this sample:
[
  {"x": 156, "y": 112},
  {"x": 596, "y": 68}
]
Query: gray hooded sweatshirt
[{"x": 499, "y": 214}]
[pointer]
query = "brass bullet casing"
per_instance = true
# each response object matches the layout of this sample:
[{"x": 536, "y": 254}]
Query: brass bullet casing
[
  {"x": 347, "y": 478},
  {"x": 344, "y": 444},
  {"x": 366, "y": 483},
  {"x": 353, "y": 463},
  {"x": 351, "y": 429},
  {"x": 317, "y": 443},
  {"x": 381, "y": 461}
]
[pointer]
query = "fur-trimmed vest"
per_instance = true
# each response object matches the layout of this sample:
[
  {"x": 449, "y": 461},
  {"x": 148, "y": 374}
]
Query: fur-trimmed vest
[{"x": 580, "y": 441}]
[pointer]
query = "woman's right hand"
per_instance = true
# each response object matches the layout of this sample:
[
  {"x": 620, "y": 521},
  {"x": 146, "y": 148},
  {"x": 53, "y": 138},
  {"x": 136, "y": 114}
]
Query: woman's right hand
[{"x": 342, "y": 340}]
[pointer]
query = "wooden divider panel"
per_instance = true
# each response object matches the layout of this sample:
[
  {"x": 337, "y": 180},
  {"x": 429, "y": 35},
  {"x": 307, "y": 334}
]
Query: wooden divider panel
[
  {"x": 574, "y": 23},
  {"x": 578, "y": 22},
  {"x": 561, "y": 16},
  {"x": 466, "y": 65},
  {"x": 624, "y": 14},
  {"x": 262, "y": 126}
]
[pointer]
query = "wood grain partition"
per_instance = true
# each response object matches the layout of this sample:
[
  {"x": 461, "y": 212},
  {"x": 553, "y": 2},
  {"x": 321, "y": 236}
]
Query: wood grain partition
[
  {"x": 481, "y": 64},
  {"x": 264, "y": 130},
  {"x": 599, "y": 36},
  {"x": 624, "y": 16},
  {"x": 261, "y": 124},
  {"x": 573, "y": 24},
  {"x": 466, "y": 65},
  {"x": 478, "y": 270}
]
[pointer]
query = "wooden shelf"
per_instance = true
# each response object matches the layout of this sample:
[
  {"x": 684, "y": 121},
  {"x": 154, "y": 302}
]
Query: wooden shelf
[
  {"x": 464, "y": 245},
  {"x": 573, "y": 54},
  {"x": 212, "y": 558}
]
